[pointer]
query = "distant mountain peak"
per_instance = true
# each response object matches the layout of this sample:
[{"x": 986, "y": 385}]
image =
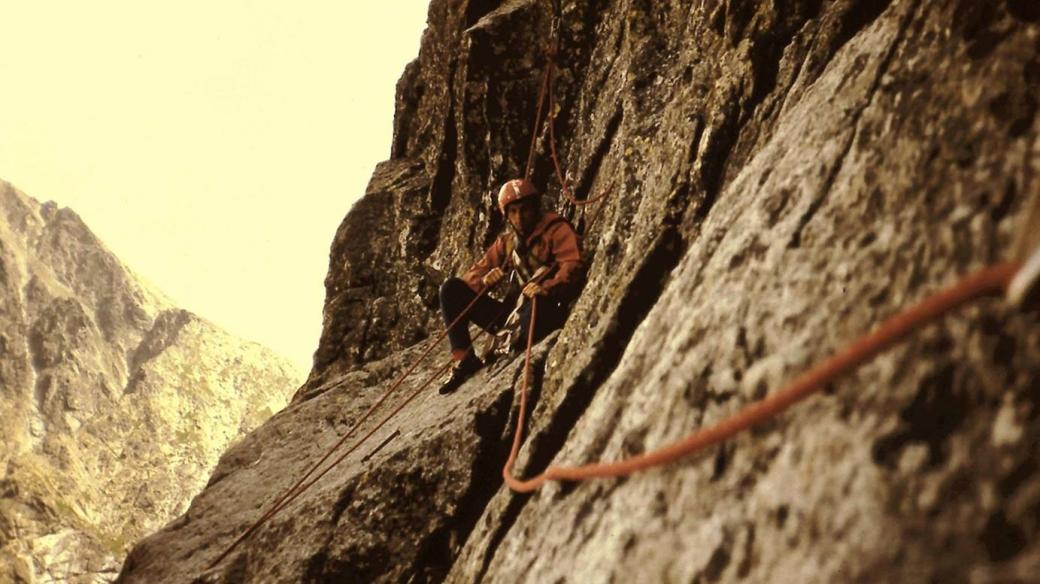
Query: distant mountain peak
[{"x": 108, "y": 389}]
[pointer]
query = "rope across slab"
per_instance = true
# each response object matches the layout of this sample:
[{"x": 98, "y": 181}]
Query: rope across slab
[{"x": 992, "y": 281}]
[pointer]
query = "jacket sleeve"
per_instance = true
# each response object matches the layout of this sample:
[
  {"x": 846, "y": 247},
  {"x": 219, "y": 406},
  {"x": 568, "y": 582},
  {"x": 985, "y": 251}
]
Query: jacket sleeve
[
  {"x": 566, "y": 252},
  {"x": 493, "y": 258}
]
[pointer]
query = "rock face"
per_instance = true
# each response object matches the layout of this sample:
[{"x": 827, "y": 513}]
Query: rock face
[
  {"x": 784, "y": 176},
  {"x": 115, "y": 404}
]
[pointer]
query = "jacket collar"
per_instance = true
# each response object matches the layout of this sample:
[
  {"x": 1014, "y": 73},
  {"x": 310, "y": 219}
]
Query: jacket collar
[{"x": 543, "y": 222}]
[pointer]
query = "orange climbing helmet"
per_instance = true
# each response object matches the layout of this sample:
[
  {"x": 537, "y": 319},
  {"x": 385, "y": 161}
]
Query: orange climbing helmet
[{"x": 514, "y": 191}]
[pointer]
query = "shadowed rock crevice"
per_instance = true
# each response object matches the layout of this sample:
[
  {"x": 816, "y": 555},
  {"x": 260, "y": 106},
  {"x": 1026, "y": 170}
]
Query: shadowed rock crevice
[
  {"x": 652, "y": 276},
  {"x": 165, "y": 331},
  {"x": 517, "y": 500},
  {"x": 937, "y": 411},
  {"x": 583, "y": 190},
  {"x": 477, "y": 9},
  {"x": 1024, "y": 10},
  {"x": 323, "y": 566},
  {"x": 1003, "y": 539},
  {"x": 316, "y": 568},
  {"x": 505, "y": 522},
  {"x": 795, "y": 241},
  {"x": 445, "y": 176}
]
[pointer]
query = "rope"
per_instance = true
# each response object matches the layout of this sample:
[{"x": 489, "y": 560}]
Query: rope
[
  {"x": 564, "y": 187},
  {"x": 597, "y": 212},
  {"x": 547, "y": 87},
  {"x": 992, "y": 281},
  {"x": 303, "y": 484},
  {"x": 507, "y": 470},
  {"x": 297, "y": 489},
  {"x": 537, "y": 119}
]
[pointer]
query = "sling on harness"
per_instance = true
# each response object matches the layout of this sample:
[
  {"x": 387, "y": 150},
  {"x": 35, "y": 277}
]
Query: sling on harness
[{"x": 526, "y": 267}]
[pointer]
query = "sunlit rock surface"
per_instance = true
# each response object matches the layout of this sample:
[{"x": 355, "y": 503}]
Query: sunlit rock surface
[
  {"x": 782, "y": 176},
  {"x": 115, "y": 404}
]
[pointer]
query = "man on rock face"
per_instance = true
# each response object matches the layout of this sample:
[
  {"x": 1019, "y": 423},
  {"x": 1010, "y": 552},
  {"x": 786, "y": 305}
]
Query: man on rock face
[{"x": 533, "y": 241}]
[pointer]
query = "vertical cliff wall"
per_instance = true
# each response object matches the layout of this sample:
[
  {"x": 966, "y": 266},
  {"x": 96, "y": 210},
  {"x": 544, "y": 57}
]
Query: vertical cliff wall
[{"x": 785, "y": 175}]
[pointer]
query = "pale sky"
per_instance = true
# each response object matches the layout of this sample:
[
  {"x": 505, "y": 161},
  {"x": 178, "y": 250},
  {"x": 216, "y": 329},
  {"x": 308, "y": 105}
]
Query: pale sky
[{"x": 214, "y": 146}]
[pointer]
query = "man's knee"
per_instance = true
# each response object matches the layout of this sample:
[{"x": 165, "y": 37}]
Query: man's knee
[
  {"x": 552, "y": 314},
  {"x": 452, "y": 289}
]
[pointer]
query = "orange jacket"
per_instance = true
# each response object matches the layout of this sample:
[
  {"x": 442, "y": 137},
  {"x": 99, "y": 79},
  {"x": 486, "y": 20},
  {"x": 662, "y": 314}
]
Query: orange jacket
[{"x": 552, "y": 240}]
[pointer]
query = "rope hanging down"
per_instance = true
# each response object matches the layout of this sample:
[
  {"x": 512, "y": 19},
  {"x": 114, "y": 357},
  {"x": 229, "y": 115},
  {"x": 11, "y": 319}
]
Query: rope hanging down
[
  {"x": 544, "y": 85},
  {"x": 552, "y": 149},
  {"x": 993, "y": 281},
  {"x": 547, "y": 88}
]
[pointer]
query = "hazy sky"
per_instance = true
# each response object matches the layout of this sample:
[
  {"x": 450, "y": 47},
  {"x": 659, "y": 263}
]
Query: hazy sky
[{"x": 214, "y": 146}]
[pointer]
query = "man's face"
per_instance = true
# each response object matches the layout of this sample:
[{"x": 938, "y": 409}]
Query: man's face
[{"x": 523, "y": 215}]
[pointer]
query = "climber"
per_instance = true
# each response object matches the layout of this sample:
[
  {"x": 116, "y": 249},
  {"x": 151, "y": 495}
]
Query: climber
[{"x": 533, "y": 240}]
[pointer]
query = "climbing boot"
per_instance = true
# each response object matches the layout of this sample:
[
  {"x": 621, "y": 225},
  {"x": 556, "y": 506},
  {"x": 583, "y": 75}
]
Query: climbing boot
[{"x": 460, "y": 372}]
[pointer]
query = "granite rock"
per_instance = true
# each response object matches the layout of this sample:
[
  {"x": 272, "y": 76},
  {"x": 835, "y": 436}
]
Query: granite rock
[{"x": 782, "y": 176}]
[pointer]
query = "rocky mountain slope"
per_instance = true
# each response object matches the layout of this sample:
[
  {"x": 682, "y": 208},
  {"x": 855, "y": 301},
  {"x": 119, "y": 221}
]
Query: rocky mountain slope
[
  {"x": 115, "y": 403},
  {"x": 782, "y": 175}
]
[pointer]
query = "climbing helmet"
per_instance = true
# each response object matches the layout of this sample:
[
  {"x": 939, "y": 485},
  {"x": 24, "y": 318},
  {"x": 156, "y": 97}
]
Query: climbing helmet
[{"x": 514, "y": 191}]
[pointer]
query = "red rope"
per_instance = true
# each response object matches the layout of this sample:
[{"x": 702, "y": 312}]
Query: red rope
[
  {"x": 393, "y": 413},
  {"x": 599, "y": 209},
  {"x": 988, "y": 282},
  {"x": 537, "y": 119},
  {"x": 547, "y": 87},
  {"x": 556, "y": 159},
  {"x": 507, "y": 470}
]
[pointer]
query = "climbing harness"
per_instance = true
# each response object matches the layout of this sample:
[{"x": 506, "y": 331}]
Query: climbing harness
[
  {"x": 503, "y": 339},
  {"x": 526, "y": 267}
]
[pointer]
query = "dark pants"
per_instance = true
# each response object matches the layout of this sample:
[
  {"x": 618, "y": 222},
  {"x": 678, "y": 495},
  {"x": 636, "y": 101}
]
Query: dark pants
[{"x": 489, "y": 314}]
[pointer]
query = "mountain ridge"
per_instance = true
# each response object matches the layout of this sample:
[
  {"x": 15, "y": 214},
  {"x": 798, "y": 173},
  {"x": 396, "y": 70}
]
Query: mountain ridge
[{"x": 117, "y": 403}]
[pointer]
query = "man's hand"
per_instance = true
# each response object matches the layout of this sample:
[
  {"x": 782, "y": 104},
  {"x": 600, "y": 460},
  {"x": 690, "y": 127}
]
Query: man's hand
[
  {"x": 493, "y": 277},
  {"x": 534, "y": 289}
]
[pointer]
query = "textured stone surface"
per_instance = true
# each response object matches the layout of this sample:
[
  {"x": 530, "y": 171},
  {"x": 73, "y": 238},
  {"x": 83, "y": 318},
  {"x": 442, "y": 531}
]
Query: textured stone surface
[
  {"x": 115, "y": 404},
  {"x": 785, "y": 175},
  {"x": 397, "y": 514},
  {"x": 378, "y": 296}
]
